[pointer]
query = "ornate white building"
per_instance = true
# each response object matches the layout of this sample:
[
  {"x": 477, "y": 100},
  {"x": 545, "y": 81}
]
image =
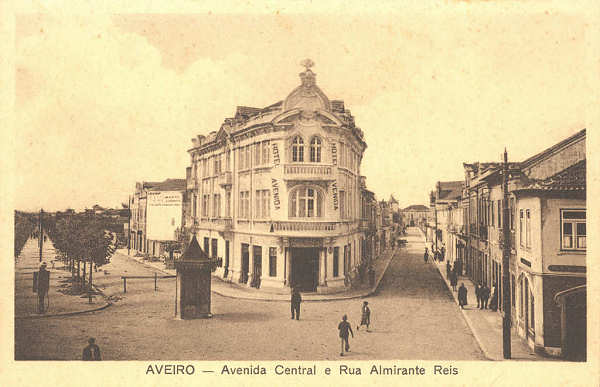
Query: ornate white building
[{"x": 276, "y": 192}]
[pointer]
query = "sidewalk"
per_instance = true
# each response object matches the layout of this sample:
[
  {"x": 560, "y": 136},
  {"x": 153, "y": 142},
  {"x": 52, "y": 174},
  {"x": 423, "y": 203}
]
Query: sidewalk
[
  {"x": 486, "y": 325},
  {"x": 234, "y": 290},
  {"x": 59, "y": 303}
]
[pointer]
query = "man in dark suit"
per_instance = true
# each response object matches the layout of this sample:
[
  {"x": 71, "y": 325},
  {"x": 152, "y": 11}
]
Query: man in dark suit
[
  {"x": 92, "y": 351},
  {"x": 485, "y": 295},
  {"x": 295, "y": 303}
]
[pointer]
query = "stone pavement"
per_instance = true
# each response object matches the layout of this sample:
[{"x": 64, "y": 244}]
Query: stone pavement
[
  {"x": 58, "y": 302},
  {"x": 486, "y": 325},
  {"x": 234, "y": 290}
]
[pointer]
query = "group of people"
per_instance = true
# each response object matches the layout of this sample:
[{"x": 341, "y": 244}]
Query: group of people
[
  {"x": 438, "y": 255},
  {"x": 344, "y": 327},
  {"x": 483, "y": 294}
]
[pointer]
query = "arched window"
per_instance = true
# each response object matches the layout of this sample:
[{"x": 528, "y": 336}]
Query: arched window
[
  {"x": 298, "y": 150},
  {"x": 315, "y": 150},
  {"x": 306, "y": 202}
]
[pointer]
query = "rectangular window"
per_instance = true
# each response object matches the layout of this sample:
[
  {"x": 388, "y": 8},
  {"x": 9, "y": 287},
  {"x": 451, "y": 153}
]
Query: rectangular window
[
  {"x": 244, "y": 204},
  {"x": 228, "y": 160},
  {"x": 266, "y": 197},
  {"x": 257, "y": 158},
  {"x": 342, "y": 195},
  {"x": 492, "y": 213},
  {"x": 265, "y": 152},
  {"x": 257, "y": 204},
  {"x": 228, "y": 204},
  {"x": 336, "y": 261},
  {"x": 511, "y": 212},
  {"x": 206, "y": 242},
  {"x": 521, "y": 225},
  {"x": 528, "y": 229},
  {"x": 248, "y": 157},
  {"x": 512, "y": 291},
  {"x": 500, "y": 212},
  {"x": 205, "y": 204},
  {"x": 213, "y": 249},
  {"x": 272, "y": 262},
  {"x": 573, "y": 229}
]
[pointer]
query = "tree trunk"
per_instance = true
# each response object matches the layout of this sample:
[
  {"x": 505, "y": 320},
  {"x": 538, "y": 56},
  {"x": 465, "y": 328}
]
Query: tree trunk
[
  {"x": 79, "y": 270},
  {"x": 90, "y": 281},
  {"x": 83, "y": 276}
]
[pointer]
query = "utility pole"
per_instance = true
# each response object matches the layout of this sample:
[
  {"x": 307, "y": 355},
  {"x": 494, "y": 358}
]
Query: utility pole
[
  {"x": 506, "y": 297},
  {"x": 435, "y": 214},
  {"x": 41, "y": 232},
  {"x": 128, "y": 224}
]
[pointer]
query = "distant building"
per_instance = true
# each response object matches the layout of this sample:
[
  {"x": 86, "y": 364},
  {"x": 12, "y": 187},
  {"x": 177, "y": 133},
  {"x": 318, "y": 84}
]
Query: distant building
[
  {"x": 156, "y": 214},
  {"x": 415, "y": 215}
]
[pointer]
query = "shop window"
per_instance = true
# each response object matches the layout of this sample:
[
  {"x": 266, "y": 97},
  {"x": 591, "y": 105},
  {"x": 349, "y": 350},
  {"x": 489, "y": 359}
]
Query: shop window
[
  {"x": 336, "y": 261},
  {"x": 573, "y": 229},
  {"x": 272, "y": 262}
]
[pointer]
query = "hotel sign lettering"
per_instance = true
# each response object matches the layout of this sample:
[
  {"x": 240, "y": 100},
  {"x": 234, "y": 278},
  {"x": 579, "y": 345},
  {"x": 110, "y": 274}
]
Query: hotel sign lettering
[
  {"x": 334, "y": 191},
  {"x": 275, "y": 186},
  {"x": 276, "y": 158},
  {"x": 333, "y": 154}
]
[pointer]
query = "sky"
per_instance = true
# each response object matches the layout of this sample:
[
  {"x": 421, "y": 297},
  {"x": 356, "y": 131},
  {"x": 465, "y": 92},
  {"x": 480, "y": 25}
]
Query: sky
[{"x": 103, "y": 100}]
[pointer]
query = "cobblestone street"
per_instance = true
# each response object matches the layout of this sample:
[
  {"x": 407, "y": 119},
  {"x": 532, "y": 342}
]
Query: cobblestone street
[{"x": 413, "y": 317}]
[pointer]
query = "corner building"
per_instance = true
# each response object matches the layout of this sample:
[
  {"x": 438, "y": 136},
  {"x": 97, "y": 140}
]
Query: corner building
[{"x": 276, "y": 193}]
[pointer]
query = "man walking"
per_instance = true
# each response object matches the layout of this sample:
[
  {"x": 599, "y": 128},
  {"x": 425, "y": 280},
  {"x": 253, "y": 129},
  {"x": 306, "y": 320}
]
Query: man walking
[
  {"x": 344, "y": 327},
  {"x": 295, "y": 303},
  {"x": 425, "y": 255},
  {"x": 43, "y": 286},
  {"x": 92, "y": 351},
  {"x": 485, "y": 295},
  {"x": 462, "y": 295},
  {"x": 478, "y": 294},
  {"x": 365, "y": 316}
]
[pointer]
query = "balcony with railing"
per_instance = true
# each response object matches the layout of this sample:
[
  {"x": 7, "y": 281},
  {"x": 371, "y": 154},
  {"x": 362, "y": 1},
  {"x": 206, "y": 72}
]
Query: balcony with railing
[
  {"x": 302, "y": 228},
  {"x": 307, "y": 172},
  {"x": 225, "y": 179}
]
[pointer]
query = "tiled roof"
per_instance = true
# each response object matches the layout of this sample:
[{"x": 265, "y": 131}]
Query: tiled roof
[
  {"x": 416, "y": 207},
  {"x": 451, "y": 189},
  {"x": 569, "y": 179},
  {"x": 167, "y": 185}
]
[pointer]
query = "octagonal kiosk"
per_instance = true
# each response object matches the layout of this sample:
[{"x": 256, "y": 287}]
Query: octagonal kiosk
[{"x": 193, "y": 282}]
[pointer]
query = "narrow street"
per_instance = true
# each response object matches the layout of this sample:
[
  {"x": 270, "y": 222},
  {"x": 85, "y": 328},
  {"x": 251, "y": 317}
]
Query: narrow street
[{"x": 413, "y": 317}]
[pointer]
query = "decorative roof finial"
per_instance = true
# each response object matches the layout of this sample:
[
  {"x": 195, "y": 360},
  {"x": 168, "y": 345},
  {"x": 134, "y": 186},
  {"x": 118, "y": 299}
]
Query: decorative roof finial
[{"x": 307, "y": 63}]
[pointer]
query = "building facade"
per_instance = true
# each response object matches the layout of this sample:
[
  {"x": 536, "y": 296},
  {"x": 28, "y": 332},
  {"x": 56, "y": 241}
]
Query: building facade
[
  {"x": 415, "y": 215},
  {"x": 276, "y": 193},
  {"x": 547, "y": 224},
  {"x": 156, "y": 213}
]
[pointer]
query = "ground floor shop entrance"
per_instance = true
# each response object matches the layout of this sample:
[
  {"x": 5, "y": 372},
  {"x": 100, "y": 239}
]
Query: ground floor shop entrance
[{"x": 305, "y": 268}]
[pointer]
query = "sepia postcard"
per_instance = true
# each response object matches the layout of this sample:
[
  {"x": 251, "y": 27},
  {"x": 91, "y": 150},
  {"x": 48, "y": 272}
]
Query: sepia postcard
[{"x": 254, "y": 193}]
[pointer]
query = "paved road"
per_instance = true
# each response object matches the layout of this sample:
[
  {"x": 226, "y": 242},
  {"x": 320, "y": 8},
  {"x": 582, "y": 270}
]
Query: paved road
[{"x": 414, "y": 317}]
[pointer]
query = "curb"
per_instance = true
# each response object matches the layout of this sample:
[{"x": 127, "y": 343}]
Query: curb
[
  {"x": 485, "y": 352},
  {"x": 64, "y": 314},
  {"x": 366, "y": 293}
]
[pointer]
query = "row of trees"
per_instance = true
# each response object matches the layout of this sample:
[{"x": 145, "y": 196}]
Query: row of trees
[
  {"x": 25, "y": 226},
  {"x": 82, "y": 243}
]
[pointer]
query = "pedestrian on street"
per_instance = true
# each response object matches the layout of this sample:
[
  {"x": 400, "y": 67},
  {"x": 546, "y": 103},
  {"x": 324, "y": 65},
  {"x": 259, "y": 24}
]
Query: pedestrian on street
[
  {"x": 443, "y": 253},
  {"x": 295, "y": 303},
  {"x": 371, "y": 276},
  {"x": 92, "y": 351},
  {"x": 425, "y": 255},
  {"x": 365, "y": 316},
  {"x": 485, "y": 295},
  {"x": 494, "y": 299},
  {"x": 447, "y": 269},
  {"x": 453, "y": 280},
  {"x": 462, "y": 295},
  {"x": 478, "y": 289},
  {"x": 344, "y": 327}
]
